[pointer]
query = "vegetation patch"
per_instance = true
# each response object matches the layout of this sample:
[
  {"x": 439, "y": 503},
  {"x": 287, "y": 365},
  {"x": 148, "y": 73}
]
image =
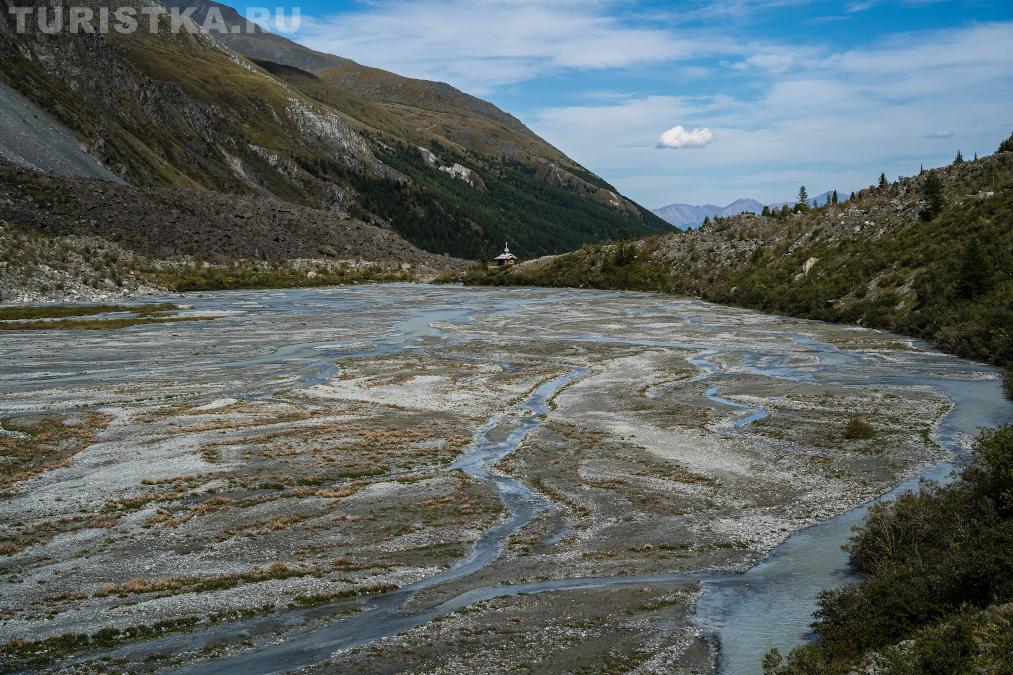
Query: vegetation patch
[
  {"x": 243, "y": 275},
  {"x": 30, "y": 312},
  {"x": 32, "y": 446},
  {"x": 17, "y": 654},
  {"x": 71, "y": 317},
  {"x": 938, "y": 568},
  {"x": 857, "y": 429}
]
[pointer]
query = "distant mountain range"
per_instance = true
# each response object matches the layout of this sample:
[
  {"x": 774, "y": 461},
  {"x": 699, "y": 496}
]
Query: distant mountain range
[
  {"x": 692, "y": 215},
  {"x": 686, "y": 216}
]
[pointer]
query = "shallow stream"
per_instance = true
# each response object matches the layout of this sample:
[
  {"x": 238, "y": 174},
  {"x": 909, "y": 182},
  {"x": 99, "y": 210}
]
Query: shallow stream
[{"x": 271, "y": 341}]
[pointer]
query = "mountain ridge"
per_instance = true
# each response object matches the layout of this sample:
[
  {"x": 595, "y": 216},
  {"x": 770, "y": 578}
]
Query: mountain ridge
[
  {"x": 691, "y": 215},
  {"x": 184, "y": 110},
  {"x": 685, "y": 216}
]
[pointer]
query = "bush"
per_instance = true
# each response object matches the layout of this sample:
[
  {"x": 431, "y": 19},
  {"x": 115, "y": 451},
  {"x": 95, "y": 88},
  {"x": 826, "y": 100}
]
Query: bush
[
  {"x": 856, "y": 429},
  {"x": 939, "y": 569}
]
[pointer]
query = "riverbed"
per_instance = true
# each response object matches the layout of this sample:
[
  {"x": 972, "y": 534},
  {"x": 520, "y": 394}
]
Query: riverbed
[{"x": 401, "y": 477}]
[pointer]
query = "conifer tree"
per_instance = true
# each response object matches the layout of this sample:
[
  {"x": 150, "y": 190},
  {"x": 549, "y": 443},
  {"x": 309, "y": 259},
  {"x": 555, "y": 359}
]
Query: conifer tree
[
  {"x": 933, "y": 191},
  {"x": 959, "y": 159},
  {"x": 834, "y": 198},
  {"x": 803, "y": 199},
  {"x": 975, "y": 273},
  {"x": 882, "y": 181}
]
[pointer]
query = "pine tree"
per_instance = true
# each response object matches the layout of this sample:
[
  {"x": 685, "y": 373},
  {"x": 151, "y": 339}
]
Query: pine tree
[
  {"x": 959, "y": 159},
  {"x": 834, "y": 198},
  {"x": 852, "y": 197},
  {"x": 803, "y": 198},
  {"x": 765, "y": 211},
  {"x": 921, "y": 169},
  {"x": 933, "y": 192},
  {"x": 975, "y": 272},
  {"x": 1007, "y": 145},
  {"x": 882, "y": 181}
]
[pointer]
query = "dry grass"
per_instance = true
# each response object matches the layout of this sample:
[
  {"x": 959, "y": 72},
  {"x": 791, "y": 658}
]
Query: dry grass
[
  {"x": 141, "y": 585},
  {"x": 50, "y": 444}
]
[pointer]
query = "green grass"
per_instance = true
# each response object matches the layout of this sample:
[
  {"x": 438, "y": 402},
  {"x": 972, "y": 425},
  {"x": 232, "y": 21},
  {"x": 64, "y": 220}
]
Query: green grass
[
  {"x": 95, "y": 324},
  {"x": 536, "y": 212},
  {"x": 17, "y": 654},
  {"x": 28, "y": 312},
  {"x": 68, "y": 317}
]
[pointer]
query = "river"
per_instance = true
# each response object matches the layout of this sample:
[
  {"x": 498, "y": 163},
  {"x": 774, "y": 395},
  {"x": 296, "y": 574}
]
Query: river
[{"x": 263, "y": 343}]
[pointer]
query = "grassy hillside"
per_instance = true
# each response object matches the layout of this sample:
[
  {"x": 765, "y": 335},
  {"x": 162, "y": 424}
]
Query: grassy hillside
[
  {"x": 938, "y": 590},
  {"x": 888, "y": 259}
]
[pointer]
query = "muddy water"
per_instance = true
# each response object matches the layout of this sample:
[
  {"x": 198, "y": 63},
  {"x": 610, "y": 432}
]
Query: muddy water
[{"x": 272, "y": 341}]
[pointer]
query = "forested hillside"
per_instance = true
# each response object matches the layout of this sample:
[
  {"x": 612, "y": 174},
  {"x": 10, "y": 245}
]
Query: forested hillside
[{"x": 181, "y": 109}]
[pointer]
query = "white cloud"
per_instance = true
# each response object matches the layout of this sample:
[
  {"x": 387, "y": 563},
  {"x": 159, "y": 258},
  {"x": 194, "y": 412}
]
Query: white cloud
[
  {"x": 775, "y": 63},
  {"x": 483, "y": 45},
  {"x": 934, "y": 135},
  {"x": 834, "y": 123},
  {"x": 677, "y": 138},
  {"x": 859, "y": 6}
]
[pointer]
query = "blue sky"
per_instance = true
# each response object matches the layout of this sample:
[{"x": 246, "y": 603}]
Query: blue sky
[{"x": 756, "y": 96}]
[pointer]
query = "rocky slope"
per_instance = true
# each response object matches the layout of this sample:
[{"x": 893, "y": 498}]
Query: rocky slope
[
  {"x": 890, "y": 259},
  {"x": 162, "y": 222},
  {"x": 90, "y": 239},
  {"x": 186, "y": 111},
  {"x": 33, "y": 139}
]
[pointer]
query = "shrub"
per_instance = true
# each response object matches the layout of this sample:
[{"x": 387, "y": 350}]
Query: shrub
[
  {"x": 939, "y": 571},
  {"x": 857, "y": 429}
]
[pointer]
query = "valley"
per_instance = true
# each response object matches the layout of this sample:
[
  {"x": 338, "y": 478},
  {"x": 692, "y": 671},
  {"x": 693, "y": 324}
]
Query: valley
[{"x": 393, "y": 477}]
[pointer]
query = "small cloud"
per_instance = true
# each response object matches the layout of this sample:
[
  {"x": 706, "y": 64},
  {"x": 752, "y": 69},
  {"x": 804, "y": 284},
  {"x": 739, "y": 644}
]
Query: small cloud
[
  {"x": 854, "y": 7},
  {"x": 677, "y": 138},
  {"x": 938, "y": 134},
  {"x": 774, "y": 63}
]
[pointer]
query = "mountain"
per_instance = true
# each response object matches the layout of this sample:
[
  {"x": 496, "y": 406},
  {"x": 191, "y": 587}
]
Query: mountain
[
  {"x": 685, "y": 216},
  {"x": 258, "y": 116},
  {"x": 935, "y": 263},
  {"x": 688, "y": 215}
]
